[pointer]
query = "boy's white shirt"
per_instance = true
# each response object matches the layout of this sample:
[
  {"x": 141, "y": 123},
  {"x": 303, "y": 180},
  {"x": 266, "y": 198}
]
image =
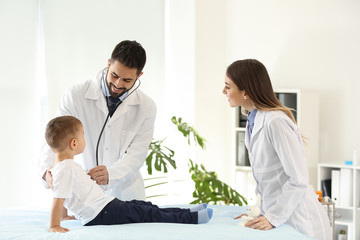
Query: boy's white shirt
[{"x": 82, "y": 195}]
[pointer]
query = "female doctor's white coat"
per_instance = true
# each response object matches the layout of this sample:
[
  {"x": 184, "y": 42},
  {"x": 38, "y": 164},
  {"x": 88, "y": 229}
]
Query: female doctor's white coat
[
  {"x": 125, "y": 140},
  {"x": 279, "y": 167}
]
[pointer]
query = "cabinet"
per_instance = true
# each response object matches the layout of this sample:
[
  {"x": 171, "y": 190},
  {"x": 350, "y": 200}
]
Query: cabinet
[
  {"x": 347, "y": 210},
  {"x": 306, "y": 109}
]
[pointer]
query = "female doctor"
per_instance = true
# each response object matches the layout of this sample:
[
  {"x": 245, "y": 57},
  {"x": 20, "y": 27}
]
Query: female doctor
[{"x": 276, "y": 154}]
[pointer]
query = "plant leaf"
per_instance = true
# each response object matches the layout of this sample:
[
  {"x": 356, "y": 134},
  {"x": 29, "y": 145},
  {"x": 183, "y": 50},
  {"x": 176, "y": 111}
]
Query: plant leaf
[
  {"x": 187, "y": 131},
  {"x": 159, "y": 156},
  {"x": 209, "y": 189}
]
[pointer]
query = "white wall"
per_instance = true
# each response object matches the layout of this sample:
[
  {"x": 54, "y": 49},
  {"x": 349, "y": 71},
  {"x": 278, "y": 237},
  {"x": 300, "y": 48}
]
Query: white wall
[
  {"x": 309, "y": 45},
  {"x": 79, "y": 37},
  {"x": 19, "y": 103},
  {"x": 212, "y": 113},
  {"x": 306, "y": 45}
]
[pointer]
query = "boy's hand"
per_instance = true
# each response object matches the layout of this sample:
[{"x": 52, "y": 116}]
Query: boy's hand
[
  {"x": 58, "y": 229},
  {"x": 67, "y": 217}
]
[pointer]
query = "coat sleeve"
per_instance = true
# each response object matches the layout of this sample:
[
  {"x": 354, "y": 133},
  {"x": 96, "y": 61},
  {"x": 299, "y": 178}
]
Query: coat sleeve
[
  {"x": 287, "y": 143},
  {"x": 125, "y": 171},
  {"x": 47, "y": 160}
]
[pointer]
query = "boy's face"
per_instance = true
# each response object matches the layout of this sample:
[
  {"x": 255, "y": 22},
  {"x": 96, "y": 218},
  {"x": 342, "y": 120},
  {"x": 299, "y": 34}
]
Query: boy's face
[{"x": 81, "y": 140}]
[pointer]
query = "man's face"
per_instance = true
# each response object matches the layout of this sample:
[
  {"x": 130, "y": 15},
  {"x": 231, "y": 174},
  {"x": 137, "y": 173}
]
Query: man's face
[{"x": 120, "y": 78}]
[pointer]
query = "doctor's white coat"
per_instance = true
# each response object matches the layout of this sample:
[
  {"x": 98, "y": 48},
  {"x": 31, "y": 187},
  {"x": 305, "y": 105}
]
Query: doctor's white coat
[
  {"x": 125, "y": 140},
  {"x": 279, "y": 167}
]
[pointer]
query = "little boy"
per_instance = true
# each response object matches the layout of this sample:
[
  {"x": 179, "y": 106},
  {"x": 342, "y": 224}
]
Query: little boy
[{"x": 74, "y": 189}]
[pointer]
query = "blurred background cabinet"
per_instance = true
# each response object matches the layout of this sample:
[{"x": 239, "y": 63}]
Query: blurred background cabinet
[{"x": 342, "y": 183}]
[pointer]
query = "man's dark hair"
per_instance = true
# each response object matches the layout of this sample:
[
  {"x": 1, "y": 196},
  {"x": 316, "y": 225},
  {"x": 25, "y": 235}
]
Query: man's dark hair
[{"x": 131, "y": 54}]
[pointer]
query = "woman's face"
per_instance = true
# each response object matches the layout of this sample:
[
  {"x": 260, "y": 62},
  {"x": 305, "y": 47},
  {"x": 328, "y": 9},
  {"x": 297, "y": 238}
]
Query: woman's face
[{"x": 235, "y": 96}]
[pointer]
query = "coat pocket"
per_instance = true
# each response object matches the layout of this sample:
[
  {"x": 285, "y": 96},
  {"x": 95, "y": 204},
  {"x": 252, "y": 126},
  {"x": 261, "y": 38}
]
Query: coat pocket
[{"x": 126, "y": 138}]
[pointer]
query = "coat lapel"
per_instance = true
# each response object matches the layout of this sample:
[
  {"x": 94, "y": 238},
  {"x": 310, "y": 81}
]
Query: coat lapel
[
  {"x": 94, "y": 92},
  {"x": 131, "y": 100}
]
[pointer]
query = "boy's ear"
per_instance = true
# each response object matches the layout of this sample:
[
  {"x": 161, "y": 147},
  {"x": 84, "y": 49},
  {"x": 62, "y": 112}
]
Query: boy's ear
[{"x": 73, "y": 144}]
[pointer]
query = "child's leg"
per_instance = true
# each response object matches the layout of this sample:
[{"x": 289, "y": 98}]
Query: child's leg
[
  {"x": 176, "y": 215},
  {"x": 198, "y": 207},
  {"x": 119, "y": 212},
  {"x": 139, "y": 202},
  {"x": 152, "y": 213},
  {"x": 180, "y": 215}
]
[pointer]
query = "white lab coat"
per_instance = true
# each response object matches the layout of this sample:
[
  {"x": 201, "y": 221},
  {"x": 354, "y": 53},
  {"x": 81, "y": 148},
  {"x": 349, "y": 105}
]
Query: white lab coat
[
  {"x": 279, "y": 167},
  {"x": 125, "y": 140}
]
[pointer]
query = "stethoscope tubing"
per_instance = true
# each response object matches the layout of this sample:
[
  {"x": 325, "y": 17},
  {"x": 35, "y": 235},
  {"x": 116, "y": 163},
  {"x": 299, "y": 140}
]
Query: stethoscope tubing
[
  {"x": 97, "y": 145},
  {"x": 107, "y": 104}
]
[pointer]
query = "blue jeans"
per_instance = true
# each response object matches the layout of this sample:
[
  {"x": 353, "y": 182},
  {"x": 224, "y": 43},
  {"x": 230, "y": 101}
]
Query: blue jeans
[{"x": 121, "y": 212}]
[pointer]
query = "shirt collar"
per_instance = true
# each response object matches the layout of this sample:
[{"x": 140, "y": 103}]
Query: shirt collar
[{"x": 251, "y": 116}]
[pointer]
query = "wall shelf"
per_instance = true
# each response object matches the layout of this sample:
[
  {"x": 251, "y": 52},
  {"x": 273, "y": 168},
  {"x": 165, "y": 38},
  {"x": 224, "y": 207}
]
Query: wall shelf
[{"x": 349, "y": 214}]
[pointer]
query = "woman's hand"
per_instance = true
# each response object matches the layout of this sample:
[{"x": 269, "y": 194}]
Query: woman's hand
[
  {"x": 244, "y": 214},
  {"x": 260, "y": 223}
]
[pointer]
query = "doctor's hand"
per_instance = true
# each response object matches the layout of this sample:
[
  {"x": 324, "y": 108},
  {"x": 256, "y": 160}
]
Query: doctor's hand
[
  {"x": 100, "y": 175},
  {"x": 48, "y": 178},
  {"x": 260, "y": 223}
]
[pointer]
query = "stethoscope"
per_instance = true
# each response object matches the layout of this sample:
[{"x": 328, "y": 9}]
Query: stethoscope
[{"x": 107, "y": 91}]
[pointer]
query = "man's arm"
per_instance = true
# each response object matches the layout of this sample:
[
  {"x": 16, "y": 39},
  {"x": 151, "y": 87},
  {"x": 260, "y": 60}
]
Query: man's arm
[
  {"x": 46, "y": 162},
  {"x": 48, "y": 178},
  {"x": 56, "y": 210}
]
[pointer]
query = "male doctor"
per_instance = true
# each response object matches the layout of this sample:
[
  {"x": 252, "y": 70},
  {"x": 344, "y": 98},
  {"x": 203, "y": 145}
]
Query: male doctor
[{"x": 118, "y": 124}]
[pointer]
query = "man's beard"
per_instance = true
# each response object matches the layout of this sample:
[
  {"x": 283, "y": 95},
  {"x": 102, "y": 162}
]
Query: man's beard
[{"x": 115, "y": 94}]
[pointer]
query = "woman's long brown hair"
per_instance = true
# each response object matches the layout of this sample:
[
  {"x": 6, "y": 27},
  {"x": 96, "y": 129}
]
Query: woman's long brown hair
[{"x": 251, "y": 75}]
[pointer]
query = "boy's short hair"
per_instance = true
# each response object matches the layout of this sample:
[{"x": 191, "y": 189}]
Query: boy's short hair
[{"x": 60, "y": 130}]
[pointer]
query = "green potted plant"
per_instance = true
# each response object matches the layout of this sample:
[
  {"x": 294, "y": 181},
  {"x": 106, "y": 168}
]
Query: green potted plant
[
  {"x": 208, "y": 188},
  {"x": 342, "y": 235}
]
